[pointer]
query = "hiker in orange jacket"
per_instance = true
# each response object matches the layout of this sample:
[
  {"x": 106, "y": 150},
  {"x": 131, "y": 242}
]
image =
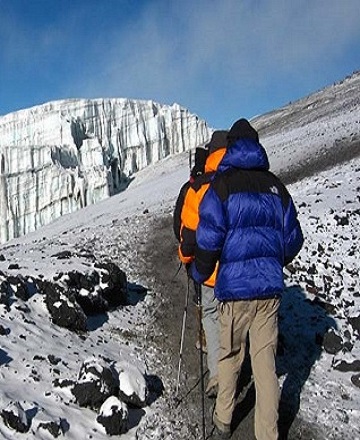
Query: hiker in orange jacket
[{"x": 186, "y": 219}]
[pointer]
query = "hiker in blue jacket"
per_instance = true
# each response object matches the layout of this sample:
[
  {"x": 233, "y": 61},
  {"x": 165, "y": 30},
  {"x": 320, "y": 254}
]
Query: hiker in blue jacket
[{"x": 248, "y": 223}]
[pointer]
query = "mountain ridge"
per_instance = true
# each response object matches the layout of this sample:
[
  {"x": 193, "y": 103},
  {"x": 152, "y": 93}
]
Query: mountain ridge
[
  {"x": 315, "y": 132},
  {"x": 347, "y": 88}
]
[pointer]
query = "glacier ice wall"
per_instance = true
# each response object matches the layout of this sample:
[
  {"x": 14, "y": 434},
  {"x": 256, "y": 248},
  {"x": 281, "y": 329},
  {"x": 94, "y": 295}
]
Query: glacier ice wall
[{"x": 61, "y": 156}]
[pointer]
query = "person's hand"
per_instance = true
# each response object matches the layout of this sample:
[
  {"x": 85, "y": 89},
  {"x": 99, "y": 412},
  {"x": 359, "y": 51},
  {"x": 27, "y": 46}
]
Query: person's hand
[{"x": 188, "y": 269}]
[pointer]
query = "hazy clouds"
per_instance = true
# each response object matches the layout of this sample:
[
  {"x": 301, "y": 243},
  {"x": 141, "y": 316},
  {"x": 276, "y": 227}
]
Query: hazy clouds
[{"x": 195, "y": 52}]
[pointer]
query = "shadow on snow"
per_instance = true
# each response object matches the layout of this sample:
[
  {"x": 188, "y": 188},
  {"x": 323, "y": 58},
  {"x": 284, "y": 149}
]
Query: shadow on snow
[{"x": 302, "y": 326}]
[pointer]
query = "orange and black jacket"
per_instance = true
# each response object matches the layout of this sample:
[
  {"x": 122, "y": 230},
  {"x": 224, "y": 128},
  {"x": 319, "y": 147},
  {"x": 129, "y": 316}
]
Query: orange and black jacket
[{"x": 186, "y": 213}]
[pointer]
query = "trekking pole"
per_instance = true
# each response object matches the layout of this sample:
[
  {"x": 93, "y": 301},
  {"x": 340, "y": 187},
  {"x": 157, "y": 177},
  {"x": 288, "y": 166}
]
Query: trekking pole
[
  {"x": 182, "y": 335},
  {"x": 201, "y": 359}
]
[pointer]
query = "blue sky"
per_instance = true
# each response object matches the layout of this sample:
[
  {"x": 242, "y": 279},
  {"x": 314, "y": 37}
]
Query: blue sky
[{"x": 221, "y": 59}]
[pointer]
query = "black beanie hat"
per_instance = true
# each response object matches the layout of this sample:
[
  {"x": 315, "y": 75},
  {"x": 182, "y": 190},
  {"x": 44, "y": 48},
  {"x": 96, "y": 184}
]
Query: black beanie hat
[
  {"x": 218, "y": 140},
  {"x": 201, "y": 155},
  {"x": 242, "y": 129}
]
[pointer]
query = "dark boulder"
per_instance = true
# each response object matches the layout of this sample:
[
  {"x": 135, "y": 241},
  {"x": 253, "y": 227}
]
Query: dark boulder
[
  {"x": 115, "y": 289},
  {"x": 63, "y": 308},
  {"x": 96, "y": 382},
  {"x": 332, "y": 342},
  {"x": 113, "y": 416},
  {"x": 15, "y": 417}
]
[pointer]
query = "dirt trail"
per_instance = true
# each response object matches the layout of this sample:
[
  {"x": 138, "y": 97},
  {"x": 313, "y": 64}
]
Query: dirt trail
[{"x": 162, "y": 267}]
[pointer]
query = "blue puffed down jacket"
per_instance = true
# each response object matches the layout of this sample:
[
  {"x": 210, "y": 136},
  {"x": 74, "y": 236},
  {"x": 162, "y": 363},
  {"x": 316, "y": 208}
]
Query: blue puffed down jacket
[{"x": 249, "y": 224}]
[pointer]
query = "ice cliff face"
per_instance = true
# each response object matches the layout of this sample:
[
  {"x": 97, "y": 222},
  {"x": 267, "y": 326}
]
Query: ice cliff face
[{"x": 61, "y": 156}]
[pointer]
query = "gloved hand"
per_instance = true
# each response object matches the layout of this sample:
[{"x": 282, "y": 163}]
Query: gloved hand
[
  {"x": 193, "y": 273},
  {"x": 188, "y": 269}
]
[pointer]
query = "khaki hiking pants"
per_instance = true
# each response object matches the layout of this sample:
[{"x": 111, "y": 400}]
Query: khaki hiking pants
[{"x": 259, "y": 319}]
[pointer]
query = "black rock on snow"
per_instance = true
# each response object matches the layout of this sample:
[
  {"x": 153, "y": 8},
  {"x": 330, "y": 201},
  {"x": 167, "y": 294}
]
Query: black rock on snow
[
  {"x": 96, "y": 382},
  {"x": 113, "y": 416},
  {"x": 15, "y": 417},
  {"x": 62, "y": 307}
]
